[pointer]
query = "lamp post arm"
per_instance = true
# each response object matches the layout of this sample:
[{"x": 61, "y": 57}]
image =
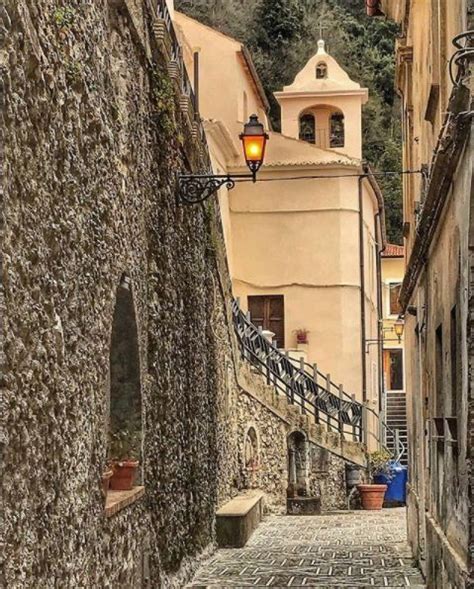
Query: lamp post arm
[{"x": 196, "y": 188}]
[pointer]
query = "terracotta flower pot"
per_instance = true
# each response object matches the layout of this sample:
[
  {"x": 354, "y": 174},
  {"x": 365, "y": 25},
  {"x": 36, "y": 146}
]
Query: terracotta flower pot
[
  {"x": 372, "y": 496},
  {"x": 106, "y": 476},
  {"x": 124, "y": 475}
]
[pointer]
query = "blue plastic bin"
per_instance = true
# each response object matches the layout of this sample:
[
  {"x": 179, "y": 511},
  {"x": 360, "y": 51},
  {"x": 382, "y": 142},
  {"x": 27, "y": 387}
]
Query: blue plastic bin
[{"x": 397, "y": 485}]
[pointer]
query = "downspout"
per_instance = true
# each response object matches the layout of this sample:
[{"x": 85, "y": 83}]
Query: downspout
[
  {"x": 363, "y": 336},
  {"x": 381, "y": 241},
  {"x": 380, "y": 249}
]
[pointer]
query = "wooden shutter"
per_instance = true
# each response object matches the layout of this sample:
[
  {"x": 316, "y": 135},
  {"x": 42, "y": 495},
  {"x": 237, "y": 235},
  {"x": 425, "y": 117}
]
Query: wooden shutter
[{"x": 268, "y": 312}]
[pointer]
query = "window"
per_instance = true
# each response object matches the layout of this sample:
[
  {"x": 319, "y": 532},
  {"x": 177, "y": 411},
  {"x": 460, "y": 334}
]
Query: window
[
  {"x": 455, "y": 363},
  {"x": 393, "y": 369},
  {"x": 245, "y": 108},
  {"x": 125, "y": 426},
  {"x": 336, "y": 138},
  {"x": 394, "y": 305},
  {"x": 268, "y": 312},
  {"x": 321, "y": 71},
  {"x": 439, "y": 366},
  {"x": 308, "y": 128}
]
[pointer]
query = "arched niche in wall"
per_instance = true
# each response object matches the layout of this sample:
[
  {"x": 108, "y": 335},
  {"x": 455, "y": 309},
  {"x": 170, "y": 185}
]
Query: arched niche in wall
[
  {"x": 337, "y": 130},
  {"x": 125, "y": 421},
  {"x": 297, "y": 465},
  {"x": 321, "y": 70},
  {"x": 307, "y": 127},
  {"x": 251, "y": 450}
]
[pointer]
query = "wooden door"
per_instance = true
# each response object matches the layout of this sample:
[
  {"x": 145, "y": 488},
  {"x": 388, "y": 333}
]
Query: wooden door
[{"x": 268, "y": 312}]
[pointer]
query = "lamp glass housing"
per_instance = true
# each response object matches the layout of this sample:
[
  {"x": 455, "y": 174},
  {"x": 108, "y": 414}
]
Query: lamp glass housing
[
  {"x": 254, "y": 140},
  {"x": 399, "y": 328}
]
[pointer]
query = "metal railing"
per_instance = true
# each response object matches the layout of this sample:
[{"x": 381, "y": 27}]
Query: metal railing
[
  {"x": 309, "y": 389},
  {"x": 163, "y": 13},
  {"x": 338, "y": 412},
  {"x": 464, "y": 54}
]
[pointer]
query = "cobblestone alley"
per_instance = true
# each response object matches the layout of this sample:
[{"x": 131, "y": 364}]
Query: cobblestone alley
[{"x": 354, "y": 549}]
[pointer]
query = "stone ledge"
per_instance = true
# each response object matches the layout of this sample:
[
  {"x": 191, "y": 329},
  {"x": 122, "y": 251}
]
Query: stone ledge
[{"x": 118, "y": 500}]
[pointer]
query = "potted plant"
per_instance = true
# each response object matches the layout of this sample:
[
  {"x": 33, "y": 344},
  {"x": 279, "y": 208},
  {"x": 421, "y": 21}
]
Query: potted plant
[
  {"x": 372, "y": 495},
  {"x": 125, "y": 445},
  {"x": 301, "y": 336}
]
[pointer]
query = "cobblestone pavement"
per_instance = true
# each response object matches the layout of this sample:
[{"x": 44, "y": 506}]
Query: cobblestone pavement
[{"x": 352, "y": 549}]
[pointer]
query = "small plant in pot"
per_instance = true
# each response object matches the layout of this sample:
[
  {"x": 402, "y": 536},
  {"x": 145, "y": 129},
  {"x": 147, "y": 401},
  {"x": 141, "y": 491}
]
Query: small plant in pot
[
  {"x": 372, "y": 495},
  {"x": 125, "y": 449},
  {"x": 301, "y": 336}
]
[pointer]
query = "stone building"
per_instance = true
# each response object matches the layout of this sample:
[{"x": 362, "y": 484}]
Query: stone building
[
  {"x": 434, "y": 81},
  {"x": 116, "y": 321},
  {"x": 299, "y": 250},
  {"x": 112, "y": 303}
]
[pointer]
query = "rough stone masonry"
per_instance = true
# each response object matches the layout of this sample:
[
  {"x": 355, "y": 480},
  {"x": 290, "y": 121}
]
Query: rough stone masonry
[{"x": 93, "y": 133}]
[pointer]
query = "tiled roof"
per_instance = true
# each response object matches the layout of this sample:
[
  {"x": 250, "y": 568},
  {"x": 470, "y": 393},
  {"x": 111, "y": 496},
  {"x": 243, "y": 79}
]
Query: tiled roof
[{"x": 393, "y": 251}]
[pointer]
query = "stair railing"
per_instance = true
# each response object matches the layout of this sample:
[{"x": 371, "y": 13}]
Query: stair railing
[{"x": 314, "y": 396}]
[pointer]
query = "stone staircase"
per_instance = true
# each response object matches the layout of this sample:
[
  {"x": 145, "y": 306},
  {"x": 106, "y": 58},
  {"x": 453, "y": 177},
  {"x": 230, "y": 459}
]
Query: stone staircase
[
  {"x": 299, "y": 395},
  {"x": 396, "y": 417}
]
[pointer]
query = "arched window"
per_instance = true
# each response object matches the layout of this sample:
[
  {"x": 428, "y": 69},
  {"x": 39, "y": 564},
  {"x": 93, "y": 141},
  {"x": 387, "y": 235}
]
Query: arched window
[
  {"x": 307, "y": 128},
  {"x": 321, "y": 71},
  {"x": 336, "y": 137},
  {"x": 125, "y": 426}
]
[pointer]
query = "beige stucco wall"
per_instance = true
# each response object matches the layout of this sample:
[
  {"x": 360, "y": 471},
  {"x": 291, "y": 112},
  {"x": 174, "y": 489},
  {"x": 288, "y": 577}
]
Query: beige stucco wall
[
  {"x": 226, "y": 90},
  {"x": 393, "y": 270},
  {"x": 300, "y": 240},
  {"x": 350, "y": 105},
  {"x": 297, "y": 238}
]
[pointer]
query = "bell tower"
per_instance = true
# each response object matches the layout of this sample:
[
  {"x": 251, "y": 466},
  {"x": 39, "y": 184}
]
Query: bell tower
[{"x": 323, "y": 106}]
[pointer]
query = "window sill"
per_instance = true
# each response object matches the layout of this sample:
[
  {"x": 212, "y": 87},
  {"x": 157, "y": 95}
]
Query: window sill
[{"x": 118, "y": 500}]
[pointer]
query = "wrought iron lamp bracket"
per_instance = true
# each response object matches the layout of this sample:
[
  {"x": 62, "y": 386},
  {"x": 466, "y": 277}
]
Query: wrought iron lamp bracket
[{"x": 196, "y": 188}]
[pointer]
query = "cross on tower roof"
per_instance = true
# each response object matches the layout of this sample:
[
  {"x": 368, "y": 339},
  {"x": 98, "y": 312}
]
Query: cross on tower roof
[{"x": 322, "y": 27}]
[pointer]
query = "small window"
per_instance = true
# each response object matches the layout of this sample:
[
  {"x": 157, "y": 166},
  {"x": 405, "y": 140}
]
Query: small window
[
  {"x": 337, "y": 135},
  {"x": 321, "y": 71},
  {"x": 394, "y": 307},
  {"x": 393, "y": 369},
  {"x": 307, "y": 128}
]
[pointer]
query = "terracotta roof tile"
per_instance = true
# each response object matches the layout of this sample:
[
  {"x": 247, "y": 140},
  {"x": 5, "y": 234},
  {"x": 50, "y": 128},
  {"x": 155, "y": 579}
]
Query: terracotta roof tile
[{"x": 393, "y": 251}]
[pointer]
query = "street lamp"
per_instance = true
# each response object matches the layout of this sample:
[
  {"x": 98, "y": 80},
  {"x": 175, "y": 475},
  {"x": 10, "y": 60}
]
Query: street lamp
[
  {"x": 196, "y": 188},
  {"x": 399, "y": 328}
]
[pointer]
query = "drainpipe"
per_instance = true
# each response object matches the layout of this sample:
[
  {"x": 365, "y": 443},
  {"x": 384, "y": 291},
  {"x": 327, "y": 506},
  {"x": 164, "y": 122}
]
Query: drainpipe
[
  {"x": 380, "y": 249},
  {"x": 362, "y": 290}
]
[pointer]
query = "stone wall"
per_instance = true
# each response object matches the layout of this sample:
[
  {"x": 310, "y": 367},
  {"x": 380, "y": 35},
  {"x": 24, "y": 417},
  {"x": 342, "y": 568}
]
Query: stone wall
[
  {"x": 440, "y": 395},
  {"x": 94, "y": 131},
  {"x": 93, "y": 136},
  {"x": 274, "y": 420}
]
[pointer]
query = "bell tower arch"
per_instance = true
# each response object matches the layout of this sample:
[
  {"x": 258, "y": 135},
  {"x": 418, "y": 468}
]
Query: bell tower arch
[{"x": 323, "y": 106}]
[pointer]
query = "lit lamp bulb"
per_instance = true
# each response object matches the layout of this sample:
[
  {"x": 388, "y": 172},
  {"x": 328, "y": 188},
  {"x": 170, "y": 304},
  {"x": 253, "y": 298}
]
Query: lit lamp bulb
[
  {"x": 399, "y": 328},
  {"x": 254, "y": 140}
]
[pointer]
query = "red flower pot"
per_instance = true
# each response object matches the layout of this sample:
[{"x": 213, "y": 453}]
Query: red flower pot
[
  {"x": 372, "y": 496},
  {"x": 124, "y": 475}
]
